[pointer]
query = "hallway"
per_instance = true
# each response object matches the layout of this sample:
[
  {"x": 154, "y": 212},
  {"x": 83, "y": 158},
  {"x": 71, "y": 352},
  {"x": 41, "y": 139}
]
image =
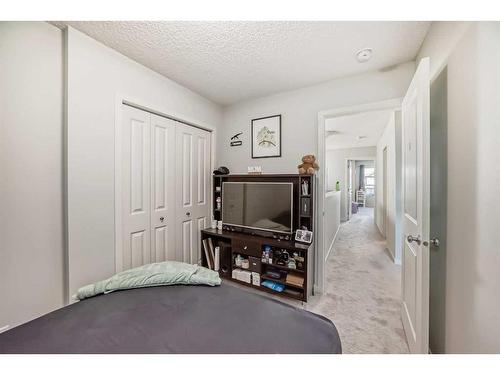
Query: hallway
[{"x": 363, "y": 290}]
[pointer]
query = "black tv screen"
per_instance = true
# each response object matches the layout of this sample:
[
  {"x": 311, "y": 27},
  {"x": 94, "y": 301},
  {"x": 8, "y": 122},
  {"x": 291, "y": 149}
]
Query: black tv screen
[{"x": 258, "y": 205}]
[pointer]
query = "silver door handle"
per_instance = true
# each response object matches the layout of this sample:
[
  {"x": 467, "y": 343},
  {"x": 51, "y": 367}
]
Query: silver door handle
[
  {"x": 411, "y": 239},
  {"x": 434, "y": 242}
]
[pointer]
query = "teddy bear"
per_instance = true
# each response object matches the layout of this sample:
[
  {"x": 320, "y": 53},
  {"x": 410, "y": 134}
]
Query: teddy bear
[{"x": 308, "y": 165}]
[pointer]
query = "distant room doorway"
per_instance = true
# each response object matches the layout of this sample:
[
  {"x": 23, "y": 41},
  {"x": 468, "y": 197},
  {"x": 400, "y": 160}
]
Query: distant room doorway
[{"x": 360, "y": 187}]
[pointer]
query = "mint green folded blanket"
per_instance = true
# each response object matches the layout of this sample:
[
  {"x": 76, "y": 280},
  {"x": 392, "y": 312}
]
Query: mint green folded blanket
[{"x": 155, "y": 274}]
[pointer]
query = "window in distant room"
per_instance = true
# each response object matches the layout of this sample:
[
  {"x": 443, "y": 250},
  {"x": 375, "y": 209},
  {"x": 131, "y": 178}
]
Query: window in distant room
[{"x": 370, "y": 180}]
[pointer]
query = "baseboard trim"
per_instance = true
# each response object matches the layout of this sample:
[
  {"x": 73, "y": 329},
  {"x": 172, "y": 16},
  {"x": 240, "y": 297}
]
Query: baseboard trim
[
  {"x": 4, "y": 328},
  {"x": 331, "y": 245}
]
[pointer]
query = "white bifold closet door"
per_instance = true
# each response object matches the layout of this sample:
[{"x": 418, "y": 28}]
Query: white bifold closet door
[
  {"x": 192, "y": 173},
  {"x": 165, "y": 174},
  {"x": 162, "y": 189}
]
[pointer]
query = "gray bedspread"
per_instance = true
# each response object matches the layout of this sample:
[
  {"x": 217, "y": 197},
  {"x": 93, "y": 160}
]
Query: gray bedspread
[{"x": 175, "y": 319}]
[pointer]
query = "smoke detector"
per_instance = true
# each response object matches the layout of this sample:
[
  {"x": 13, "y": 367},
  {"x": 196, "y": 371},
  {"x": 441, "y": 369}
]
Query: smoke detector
[{"x": 364, "y": 55}]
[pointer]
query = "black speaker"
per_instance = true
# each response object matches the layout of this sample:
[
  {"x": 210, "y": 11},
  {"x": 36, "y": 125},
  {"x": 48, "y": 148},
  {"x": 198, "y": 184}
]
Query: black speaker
[{"x": 225, "y": 260}]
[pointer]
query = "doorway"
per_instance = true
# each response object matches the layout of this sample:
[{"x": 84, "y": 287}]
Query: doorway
[
  {"x": 361, "y": 186},
  {"x": 327, "y": 181},
  {"x": 412, "y": 197},
  {"x": 359, "y": 268}
]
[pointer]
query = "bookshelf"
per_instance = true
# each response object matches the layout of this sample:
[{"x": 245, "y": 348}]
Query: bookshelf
[{"x": 252, "y": 243}]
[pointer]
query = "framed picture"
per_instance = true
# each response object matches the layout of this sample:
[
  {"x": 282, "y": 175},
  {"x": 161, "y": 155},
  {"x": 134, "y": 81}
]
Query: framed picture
[
  {"x": 266, "y": 137},
  {"x": 303, "y": 236}
]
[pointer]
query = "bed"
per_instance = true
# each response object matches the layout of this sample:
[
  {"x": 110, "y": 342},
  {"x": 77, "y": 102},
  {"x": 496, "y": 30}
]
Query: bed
[{"x": 175, "y": 319}]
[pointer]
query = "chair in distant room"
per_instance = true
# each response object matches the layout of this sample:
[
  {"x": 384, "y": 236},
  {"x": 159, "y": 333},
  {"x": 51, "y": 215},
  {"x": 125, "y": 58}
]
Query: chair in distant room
[{"x": 360, "y": 198}]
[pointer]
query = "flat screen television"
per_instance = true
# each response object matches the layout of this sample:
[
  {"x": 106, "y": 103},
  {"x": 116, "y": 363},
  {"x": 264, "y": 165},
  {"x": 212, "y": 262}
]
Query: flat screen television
[{"x": 266, "y": 206}]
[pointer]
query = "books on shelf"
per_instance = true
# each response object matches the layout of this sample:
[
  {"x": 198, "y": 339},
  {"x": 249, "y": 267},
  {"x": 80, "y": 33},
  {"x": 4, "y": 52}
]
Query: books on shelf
[
  {"x": 207, "y": 254},
  {"x": 208, "y": 248},
  {"x": 211, "y": 253},
  {"x": 295, "y": 280},
  {"x": 217, "y": 258}
]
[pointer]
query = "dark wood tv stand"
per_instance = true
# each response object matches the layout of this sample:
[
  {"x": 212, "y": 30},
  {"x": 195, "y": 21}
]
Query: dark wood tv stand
[
  {"x": 252, "y": 245},
  {"x": 249, "y": 244}
]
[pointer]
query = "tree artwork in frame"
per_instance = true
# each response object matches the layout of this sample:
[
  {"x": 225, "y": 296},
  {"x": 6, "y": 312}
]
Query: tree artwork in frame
[{"x": 266, "y": 137}]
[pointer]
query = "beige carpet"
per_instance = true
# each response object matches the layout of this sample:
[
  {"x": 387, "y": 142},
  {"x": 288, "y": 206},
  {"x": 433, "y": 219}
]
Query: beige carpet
[
  {"x": 362, "y": 296},
  {"x": 363, "y": 290}
]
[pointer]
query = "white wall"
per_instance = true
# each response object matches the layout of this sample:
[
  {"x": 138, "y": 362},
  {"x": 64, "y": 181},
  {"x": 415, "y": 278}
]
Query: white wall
[
  {"x": 472, "y": 260},
  {"x": 332, "y": 220},
  {"x": 299, "y": 110},
  {"x": 336, "y": 165},
  {"x": 31, "y": 171},
  {"x": 388, "y": 140},
  {"x": 96, "y": 75},
  {"x": 473, "y": 238},
  {"x": 440, "y": 41}
]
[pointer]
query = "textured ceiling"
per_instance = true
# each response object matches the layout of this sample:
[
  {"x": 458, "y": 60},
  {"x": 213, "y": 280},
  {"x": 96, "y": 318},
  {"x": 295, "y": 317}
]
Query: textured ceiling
[
  {"x": 369, "y": 125},
  {"x": 231, "y": 61}
]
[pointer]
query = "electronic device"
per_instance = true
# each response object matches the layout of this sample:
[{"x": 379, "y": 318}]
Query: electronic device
[
  {"x": 225, "y": 259},
  {"x": 274, "y": 274},
  {"x": 221, "y": 171},
  {"x": 305, "y": 236},
  {"x": 263, "y": 206}
]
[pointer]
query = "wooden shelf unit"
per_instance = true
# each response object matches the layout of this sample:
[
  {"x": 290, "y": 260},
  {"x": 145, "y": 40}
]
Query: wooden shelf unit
[
  {"x": 252, "y": 243},
  {"x": 283, "y": 268},
  {"x": 249, "y": 245},
  {"x": 306, "y": 201}
]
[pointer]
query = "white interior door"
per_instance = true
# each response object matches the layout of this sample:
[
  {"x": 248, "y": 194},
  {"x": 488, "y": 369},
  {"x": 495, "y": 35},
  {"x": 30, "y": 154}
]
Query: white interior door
[
  {"x": 162, "y": 189},
  {"x": 136, "y": 175},
  {"x": 192, "y": 190},
  {"x": 163, "y": 207},
  {"x": 415, "y": 264}
]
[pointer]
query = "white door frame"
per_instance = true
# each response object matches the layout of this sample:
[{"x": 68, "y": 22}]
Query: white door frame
[
  {"x": 358, "y": 158},
  {"x": 120, "y": 100},
  {"x": 390, "y": 104}
]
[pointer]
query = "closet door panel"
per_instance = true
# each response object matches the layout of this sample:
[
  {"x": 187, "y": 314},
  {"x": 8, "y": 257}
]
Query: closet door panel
[
  {"x": 165, "y": 189},
  {"x": 186, "y": 167},
  {"x": 136, "y": 210},
  {"x": 162, "y": 189},
  {"x": 193, "y": 167},
  {"x": 160, "y": 244},
  {"x": 201, "y": 205},
  {"x": 187, "y": 241},
  {"x": 201, "y": 177}
]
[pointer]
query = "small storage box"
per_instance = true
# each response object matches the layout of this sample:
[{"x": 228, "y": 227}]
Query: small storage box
[
  {"x": 245, "y": 276},
  {"x": 236, "y": 273},
  {"x": 256, "y": 278},
  {"x": 255, "y": 264}
]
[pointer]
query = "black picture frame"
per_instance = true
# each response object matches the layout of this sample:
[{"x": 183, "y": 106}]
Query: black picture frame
[{"x": 253, "y": 125}]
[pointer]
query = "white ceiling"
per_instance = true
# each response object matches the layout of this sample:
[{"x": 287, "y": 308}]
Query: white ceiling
[
  {"x": 231, "y": 61},
  {"x": 370, "y": 125}
]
